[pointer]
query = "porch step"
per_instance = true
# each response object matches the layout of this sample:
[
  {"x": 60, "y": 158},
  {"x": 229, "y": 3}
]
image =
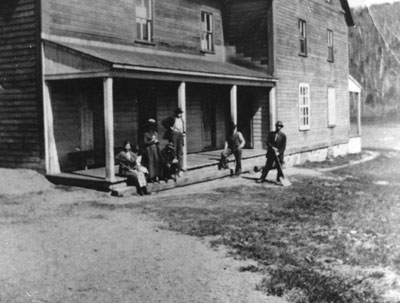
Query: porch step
[{"x": 192, "y": 177}]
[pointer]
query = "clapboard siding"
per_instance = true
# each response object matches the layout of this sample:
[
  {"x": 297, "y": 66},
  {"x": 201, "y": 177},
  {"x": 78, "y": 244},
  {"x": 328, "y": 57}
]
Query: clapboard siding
[
  {"x": 247, "y": 24},
  {"x": 177, "y": 23},
  {"x": 314, "y": 69},
  {"x": 125, "y": 113},
  {"x": 65, "y": 99},
  {"x": 21, "y": 137}
]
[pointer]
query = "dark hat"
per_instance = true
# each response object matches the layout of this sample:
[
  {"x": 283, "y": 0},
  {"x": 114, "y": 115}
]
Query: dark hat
[
  {"x": 170, "y": 145},
  {"x": 178, "y": 110},
  {"x": 279, "y": 123},
  {"x": 233, "y": 125}
]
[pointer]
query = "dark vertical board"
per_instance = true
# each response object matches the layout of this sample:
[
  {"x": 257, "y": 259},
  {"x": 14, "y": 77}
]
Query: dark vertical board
[{"x": 21, "y": 128}]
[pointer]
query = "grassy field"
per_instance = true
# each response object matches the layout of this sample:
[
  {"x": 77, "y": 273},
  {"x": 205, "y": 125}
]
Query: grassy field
[{"x": 328, "y": 239}]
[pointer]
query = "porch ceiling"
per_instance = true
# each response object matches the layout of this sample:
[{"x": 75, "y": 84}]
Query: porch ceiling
[{"x": 139, "y": 64}]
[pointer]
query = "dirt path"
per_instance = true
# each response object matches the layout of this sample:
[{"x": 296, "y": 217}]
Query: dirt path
[{"x": 64, "y": 246}]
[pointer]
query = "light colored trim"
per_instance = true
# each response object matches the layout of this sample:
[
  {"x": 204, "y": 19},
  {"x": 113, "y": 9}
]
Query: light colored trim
[
  {"x": 233, "y": 104},
  {"x": 109, "y": 128},
  {"x": 272, "y": 108},
  {"x": 189, "y": 73},
  {"x": 302, "y": 126},
  {"x": 182, "y": 105},
  {"x": 52, "y": 164}
]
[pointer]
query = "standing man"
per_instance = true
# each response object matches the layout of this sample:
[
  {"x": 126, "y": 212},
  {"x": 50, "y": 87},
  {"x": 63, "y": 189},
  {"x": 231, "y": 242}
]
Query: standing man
[
  {"x": 276, "y": 143},
  {"x": 175, "y": 131},
  {"x": 233, "y": 145}
]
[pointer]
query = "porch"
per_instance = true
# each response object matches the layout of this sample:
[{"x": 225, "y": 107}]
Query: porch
[{"x": 201, "y": 167}]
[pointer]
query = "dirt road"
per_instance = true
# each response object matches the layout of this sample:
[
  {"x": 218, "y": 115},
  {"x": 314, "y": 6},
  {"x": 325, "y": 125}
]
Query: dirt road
[{"x": 63, "y": 245}]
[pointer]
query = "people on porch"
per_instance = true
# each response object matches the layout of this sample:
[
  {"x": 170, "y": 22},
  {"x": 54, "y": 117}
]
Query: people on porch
[
  {"x": 152, "y": 154},
  {"x": 276, "y": 143},
  {"x": 175, "y": 131},
  {"x": 170, "y": 162},
  {"x": 233, "y": 145},
  {"x": 129, "y": 167}
]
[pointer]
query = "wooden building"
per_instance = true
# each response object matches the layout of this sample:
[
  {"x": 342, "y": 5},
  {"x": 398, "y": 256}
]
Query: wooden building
[{"x": 79, "y": 77}]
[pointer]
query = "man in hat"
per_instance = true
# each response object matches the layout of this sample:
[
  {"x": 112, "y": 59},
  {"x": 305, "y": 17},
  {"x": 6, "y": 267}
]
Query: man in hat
[
  {"x": 175, "y": 131},
  {"x": 276, "y": 143},
  {"x": 233, "y": 145}
]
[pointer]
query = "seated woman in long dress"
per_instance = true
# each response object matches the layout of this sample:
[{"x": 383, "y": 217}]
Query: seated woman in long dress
[{"x": 131, "y": 169}]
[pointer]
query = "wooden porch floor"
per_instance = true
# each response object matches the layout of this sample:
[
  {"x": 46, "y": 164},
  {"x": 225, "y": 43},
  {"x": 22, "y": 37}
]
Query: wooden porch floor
[{"x": 197, "y": 163}]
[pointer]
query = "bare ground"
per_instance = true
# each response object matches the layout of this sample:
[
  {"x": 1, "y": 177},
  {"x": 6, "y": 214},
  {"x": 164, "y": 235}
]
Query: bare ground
[{"x": 73, "y": 245}]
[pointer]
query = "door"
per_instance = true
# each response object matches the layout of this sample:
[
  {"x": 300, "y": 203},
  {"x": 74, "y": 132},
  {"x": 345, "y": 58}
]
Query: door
[
  {"x": 92, "y": 128},
  {"x": 209, "y": 124}
]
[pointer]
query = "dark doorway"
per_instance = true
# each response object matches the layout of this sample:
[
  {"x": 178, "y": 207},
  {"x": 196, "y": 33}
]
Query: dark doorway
[{"x": 209, "y": 124}]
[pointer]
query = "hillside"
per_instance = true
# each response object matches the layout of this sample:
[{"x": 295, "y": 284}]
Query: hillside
[{"x": 374, "y": 51}]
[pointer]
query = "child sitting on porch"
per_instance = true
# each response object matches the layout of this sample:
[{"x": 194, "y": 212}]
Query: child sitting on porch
[
  {"x": 170, "y": 162},
  {"x": 129, "y": 167}
]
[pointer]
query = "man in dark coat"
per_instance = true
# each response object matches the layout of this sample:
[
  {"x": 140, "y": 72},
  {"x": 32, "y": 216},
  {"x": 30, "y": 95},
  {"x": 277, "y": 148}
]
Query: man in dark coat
[
  {"x": 175, "y": 131},
  {"x": 276, "y": 144}
]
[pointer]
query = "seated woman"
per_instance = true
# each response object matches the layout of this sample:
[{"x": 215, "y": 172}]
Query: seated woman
[{"x": 131, "y": 169}]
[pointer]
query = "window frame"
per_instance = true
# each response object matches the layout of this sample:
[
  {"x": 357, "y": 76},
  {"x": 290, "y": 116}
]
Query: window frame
[
  {"x": 331, "y": 102},
  {"x": 149, "y": 21},
  {"x": 330, "y": 44},
  {"x": 208, "y": 32},
  {"x": 304, "y": 106},
  {"x": 302, "y": 27}
]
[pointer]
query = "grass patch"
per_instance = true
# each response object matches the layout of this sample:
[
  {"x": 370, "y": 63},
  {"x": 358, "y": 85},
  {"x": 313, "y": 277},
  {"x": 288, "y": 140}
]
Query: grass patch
[{"x": 301, "y": 236}]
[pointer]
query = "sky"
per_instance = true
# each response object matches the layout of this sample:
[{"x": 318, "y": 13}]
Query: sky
[{"x": 355, "y": 3}]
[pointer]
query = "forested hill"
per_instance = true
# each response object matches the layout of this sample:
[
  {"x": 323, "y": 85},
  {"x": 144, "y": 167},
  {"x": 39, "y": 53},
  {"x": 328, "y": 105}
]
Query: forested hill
[{"x": 375, "y": 57}]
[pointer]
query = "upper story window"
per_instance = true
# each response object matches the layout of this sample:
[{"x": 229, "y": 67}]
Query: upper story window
[
  {"x": 207, "y": 34},
  {"x": 304, "y": 106},
  {"x": 302, "y": 37},
  {"x": 330, "y": 45},
  {"x": 144, "y": 20}
]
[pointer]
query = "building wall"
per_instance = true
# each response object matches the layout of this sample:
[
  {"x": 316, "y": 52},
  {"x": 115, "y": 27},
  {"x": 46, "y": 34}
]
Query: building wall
[
  {"x": 21, "y": 130},
  {"x": 177, "y": 23},
  {"x": 292, "y": 69},
  {"x": 247, "y": 25}
]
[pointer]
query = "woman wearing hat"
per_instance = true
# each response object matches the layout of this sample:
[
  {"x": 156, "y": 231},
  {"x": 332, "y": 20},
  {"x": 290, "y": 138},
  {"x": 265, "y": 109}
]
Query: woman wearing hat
[
  {"x": 152, "y": 156},
  {"x": 130, "y": 168},
  {"x": 276, "y": 143}
]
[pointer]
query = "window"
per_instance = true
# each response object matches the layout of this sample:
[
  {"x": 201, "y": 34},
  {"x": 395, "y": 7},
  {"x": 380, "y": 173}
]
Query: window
[
  {"x": 144, "y": 20},
  {"x": 304, "y": 106},
  {"x": 303, "y": 38},
  {"x": 207, "y": 36},
  {"x": 330, "y": 45},
  {"x": 331, "y": 107}
]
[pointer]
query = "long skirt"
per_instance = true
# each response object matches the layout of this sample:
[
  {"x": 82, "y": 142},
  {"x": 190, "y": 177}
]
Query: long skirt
[{"x": 152, "y": 161}]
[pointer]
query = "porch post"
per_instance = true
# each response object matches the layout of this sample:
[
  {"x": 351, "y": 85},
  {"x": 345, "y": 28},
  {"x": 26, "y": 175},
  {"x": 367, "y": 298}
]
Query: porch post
[
  {"x": 109, "y": 128},
  {"x": 51, "y": 157},
  {"x": 272, "y": 108},
  {"x": 182, "y": 105},
  {"x": 234, "y": 104},
  {"x": 359, "y": 113}
]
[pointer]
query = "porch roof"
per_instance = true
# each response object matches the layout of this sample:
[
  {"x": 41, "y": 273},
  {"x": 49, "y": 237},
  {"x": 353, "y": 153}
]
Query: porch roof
[{"x": 144, "y": 62}]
